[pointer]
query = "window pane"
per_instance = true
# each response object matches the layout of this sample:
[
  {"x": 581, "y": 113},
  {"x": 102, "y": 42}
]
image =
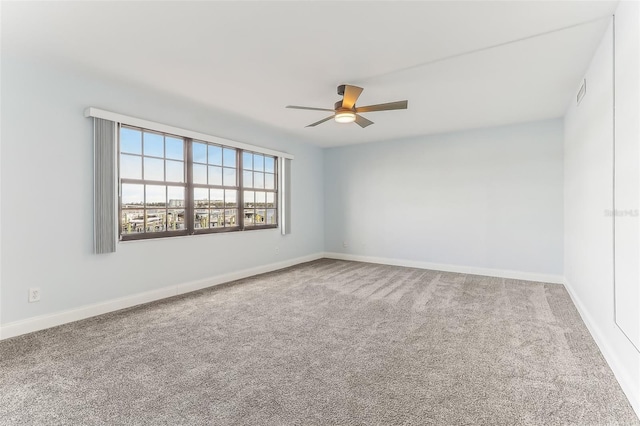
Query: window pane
[
  {"x": 132, "y": 221},
  {"x": 271, "y": 217},
  {"x": 216, "y": 218},
  {"x": 215, "y": 175},
  {"x": 271, "y": 199},
  {"x": 201, "y": 197},
  {"x": 153, "y": 144},
  {"x": 215, "y": 155},
  {"x": 175, "y": 195},
  {"x": 247, "y": 160},
  {"x": 229, "y": 177},
  {"x": 175, "y": 171},
  {"x": 217, "y": 198},
  {"x": 132, "y": 195},
  {"x": 229, "y": 157},
  {"x": 258, "y": 180},
  {"x": 260, "y": 219},
  {"x": 258, "y": 162},
  {"x": 130, "y": 166},
  {"x": 175, "y": 148},
  {"x": 199, "y": 151},
  {"x": 153, "y": 169},
  {"x": 230, "y": 217},
  {"x": 201, "y": 217},
  {"x": 269, "y": 164},
  {"x": 260, "y": 199},
  {"x": 156, "y": 196},
  {"x": 175, "y": 220},
  {"x": 247, "y": 179},
  {"x": 130, "y": 141},
  {"x": 269, "y": 181},
  {"x": 249, "y": 216},
  {"x": 200, "y": 174},
  {"x": 155, "y": 220},
  {"x": 230, "y": 198},
  {"x": 248, "y": 198}
]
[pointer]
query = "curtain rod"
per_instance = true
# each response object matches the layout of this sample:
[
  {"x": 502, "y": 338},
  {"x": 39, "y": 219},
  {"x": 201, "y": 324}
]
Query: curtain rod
[{"x": 152, "y": 125}]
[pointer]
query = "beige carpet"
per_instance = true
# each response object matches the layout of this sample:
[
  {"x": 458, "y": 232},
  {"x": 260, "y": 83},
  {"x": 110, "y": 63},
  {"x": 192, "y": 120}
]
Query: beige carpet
[{"x": 326, "y": 342}]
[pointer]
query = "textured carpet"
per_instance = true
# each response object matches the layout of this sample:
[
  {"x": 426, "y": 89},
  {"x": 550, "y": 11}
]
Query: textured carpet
[{"x": 326, "y": 342}]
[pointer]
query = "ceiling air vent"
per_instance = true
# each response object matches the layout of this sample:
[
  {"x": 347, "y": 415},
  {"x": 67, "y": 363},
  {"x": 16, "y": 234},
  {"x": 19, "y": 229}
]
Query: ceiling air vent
[{"x": 582, "y": 91}]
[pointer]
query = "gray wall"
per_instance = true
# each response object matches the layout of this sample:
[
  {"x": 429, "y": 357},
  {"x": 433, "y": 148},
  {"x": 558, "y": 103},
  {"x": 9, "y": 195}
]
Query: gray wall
[
  {"x": 488, "y": 198},
  {"x": 47, "y": 199}
]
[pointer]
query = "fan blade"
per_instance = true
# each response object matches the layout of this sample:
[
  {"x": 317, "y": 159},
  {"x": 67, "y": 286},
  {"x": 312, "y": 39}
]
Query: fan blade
[
  {"x": 363, "y": 122},
  {"x": 320, "y": 122},
  {"x": 383, "y": 107},
  {"x": 310, "y": 108},
  {"x": 351, "y": 94}
]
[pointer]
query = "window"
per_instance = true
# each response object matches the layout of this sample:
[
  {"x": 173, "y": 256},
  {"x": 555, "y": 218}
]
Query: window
[
  {"x": 170, "y": 185},
  {"x": 215, "y": 186},
  {"x": 259, "y": 183}
]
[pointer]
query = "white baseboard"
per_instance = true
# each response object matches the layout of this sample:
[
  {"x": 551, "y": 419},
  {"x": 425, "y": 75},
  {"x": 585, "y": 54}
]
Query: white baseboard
[
  {"x": 501, "y": 273},
  {"x": 628, "y": 387},
  {"x": 42, "y": 322}
]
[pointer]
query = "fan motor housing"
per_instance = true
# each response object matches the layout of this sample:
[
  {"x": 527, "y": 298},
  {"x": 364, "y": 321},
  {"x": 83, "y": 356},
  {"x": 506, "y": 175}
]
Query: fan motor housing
[{"x": 338, "y": 107}]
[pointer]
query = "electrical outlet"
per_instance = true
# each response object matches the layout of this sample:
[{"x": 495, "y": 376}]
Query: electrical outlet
[
  {"x": 345, "y": 244},
  {"x": 34, "y": 294},
  {"x": 277, "y": 250}
]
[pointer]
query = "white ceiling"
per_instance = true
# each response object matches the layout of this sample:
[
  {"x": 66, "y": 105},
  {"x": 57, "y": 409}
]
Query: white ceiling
[{"x": 461, "y": 64}]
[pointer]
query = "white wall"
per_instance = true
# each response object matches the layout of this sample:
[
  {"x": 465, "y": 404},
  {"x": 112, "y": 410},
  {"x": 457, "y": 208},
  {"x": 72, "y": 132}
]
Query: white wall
[
  {"x": 486, "y": 201},
  {"x": 627, "y": 170},
  {"x": 47, "y": 195},
  {"x": 588, "y": 229}
]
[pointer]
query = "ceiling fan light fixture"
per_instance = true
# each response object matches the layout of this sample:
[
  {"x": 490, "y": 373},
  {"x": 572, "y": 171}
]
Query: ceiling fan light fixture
[
  {"x": 345, "y": 110},
  {"x": 345, "y": 117}
]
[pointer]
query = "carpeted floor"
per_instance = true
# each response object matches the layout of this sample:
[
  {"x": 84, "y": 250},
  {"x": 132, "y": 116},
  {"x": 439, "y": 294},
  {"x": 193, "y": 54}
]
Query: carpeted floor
[{"x": 326, "y": 342}]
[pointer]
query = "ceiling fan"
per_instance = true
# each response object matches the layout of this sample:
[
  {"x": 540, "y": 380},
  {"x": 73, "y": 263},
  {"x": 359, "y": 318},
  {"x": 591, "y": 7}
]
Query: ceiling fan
[{"x": 345, "y": 111}]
